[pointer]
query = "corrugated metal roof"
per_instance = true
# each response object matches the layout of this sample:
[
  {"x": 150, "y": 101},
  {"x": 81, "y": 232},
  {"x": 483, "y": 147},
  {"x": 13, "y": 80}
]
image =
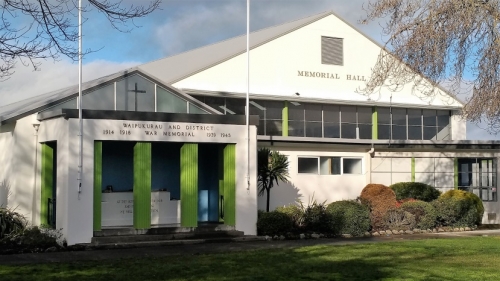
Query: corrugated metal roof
[
  {"x": 35, "y": 104},
  {"x": 178, "y": 67},
  {"x": 166, "y": 71}
]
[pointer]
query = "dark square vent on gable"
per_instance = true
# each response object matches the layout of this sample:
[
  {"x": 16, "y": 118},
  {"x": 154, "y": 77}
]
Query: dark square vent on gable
[{"x": 332, "y": 50}]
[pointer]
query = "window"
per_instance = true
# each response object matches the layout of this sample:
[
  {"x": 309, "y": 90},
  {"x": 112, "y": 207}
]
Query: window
[
  {"x": 308, "y": 165},
  {"x": 132, "y": 93},
  {"x": 330, "y": 165},
  {"x": 325, "y": 165},
  {"x": 479, "y": 176},
  {"x": 332, "y": 50},
  {"x": 413, "y": 124},
  {"x": 352, "y": 166}
]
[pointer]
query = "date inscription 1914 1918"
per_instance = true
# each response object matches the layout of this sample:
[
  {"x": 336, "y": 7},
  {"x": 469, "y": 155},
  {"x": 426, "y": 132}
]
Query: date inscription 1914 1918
[{"x": 168, "y": 131}]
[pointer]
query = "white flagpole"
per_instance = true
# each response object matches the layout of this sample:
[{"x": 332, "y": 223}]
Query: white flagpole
[
  {"x": 80, "y": 105},
  {"x": 248, "y": 95}
]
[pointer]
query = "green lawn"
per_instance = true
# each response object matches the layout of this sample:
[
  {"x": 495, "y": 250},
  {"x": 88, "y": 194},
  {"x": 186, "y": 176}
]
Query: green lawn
[{"x": 475, "y": 258}]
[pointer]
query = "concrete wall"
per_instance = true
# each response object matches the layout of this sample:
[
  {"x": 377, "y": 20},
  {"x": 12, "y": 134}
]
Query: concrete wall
[
  {"x": 6, "y": 148},
  {"x": 433, "y": 168},
  {"x": 74, "y": 208},
  {"x": 458, "y": 126},
  {"x": 306, "y": 187}
]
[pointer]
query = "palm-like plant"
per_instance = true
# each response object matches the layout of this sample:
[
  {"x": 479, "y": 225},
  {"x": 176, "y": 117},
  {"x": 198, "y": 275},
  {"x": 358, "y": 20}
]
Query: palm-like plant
[{"x": 272, "y": 168}]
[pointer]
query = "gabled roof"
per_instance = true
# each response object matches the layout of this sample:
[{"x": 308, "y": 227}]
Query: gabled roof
[
  {"x": 178, "y": 67},
  {"x": 17, "y": 110},
  {"x": 170, "y": 70}
]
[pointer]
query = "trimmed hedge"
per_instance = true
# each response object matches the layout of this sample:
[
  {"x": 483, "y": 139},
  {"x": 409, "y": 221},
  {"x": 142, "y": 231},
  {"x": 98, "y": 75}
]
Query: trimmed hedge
[
  {"x": 399, "y": 219},
  {"x": 379, "y": 199},
  {"x": 274, "y": 223},
  {"x": 425, "y": 214},
  {"x": 415, "y": 190},
  {"x": 317, "y": 219},
  {"x": 467, "y": 207},
  {"x": 294, "y": 212},
  {"x": 349, "y": 217}
]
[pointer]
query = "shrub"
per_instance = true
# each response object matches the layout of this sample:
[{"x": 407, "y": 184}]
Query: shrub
[
  {"x": 469, "y": 196},
  {"x": 317, "y": 219},
  {"x": 32, "y": 239},
  {"x": 379, "y": 199},
  {"x": 11, "y": 222},
  {"x": 399, "y": 219},
  {"x": 349, "y": 217},
  {"x": 294, "y": 212},
  {"x": 458, "y": 208},
  {"x": 274, "y": 223},
  {"x": 415, "y": 190},
  {"x": 425, "y": 214}
]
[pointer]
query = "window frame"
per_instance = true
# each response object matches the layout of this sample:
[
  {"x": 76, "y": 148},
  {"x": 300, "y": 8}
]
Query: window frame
[{"x": 318, "y": 173}]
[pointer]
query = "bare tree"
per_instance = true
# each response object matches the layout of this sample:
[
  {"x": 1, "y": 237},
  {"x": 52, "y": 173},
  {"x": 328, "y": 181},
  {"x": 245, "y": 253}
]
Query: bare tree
[
  {"x": 451, "y": 42},
  {"x": 51, "y": 28}
]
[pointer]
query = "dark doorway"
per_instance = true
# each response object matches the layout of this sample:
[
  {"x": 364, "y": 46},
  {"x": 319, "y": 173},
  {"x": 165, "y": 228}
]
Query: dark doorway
[{"x": 210, "y": 199}]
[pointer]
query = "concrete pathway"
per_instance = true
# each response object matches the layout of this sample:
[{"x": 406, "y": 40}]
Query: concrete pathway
[{"x": 197, "y": 249}]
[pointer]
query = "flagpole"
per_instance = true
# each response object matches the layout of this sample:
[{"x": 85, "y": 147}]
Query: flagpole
[
  {"x": 80, "y": 105},
  {"x": 248, "y": 95}
]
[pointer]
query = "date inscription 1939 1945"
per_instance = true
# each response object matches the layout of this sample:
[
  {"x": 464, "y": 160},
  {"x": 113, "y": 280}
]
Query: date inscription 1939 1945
[{"x": 168, "y": 130}]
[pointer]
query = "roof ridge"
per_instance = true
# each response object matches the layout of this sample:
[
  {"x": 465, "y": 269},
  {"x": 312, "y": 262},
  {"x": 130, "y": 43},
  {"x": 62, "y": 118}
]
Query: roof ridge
[{"x": 238, "y": 36}]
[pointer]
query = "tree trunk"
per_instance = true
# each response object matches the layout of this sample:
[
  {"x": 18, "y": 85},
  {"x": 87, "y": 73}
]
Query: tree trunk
[{"x": 268, "y": 198}]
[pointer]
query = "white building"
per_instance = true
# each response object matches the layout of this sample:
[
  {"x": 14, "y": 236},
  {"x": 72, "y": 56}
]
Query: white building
[{"x": 165, "y": 142}]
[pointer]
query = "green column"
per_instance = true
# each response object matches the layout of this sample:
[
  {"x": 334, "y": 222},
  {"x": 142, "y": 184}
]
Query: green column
[
  {"x": 230, "y": 184},
  {"x": 97, "y": 184},
  {"x": 142, "y": 185},
  {"x": 413, "y": 169},
  {"x": 455, "y": 170},
  {"x": 189, "y": 185},
  {"x": 374, "y": 123},
  {"x": 47, "y": 182},
  {"x": 220, "y": 171},
  {"x": 284, "y": 116}
]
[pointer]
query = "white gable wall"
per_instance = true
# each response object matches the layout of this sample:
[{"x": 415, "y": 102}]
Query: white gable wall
[{"x": 281, "y": 67}]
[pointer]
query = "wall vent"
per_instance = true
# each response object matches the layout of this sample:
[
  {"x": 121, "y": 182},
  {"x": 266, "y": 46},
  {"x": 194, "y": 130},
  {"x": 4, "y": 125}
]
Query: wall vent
[
  {"x": 492, "y": 216},
  {"x": 332, "y": 50}
]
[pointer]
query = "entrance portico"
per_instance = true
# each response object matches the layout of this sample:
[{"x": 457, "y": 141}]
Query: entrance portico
[{"x": 177, "y": 170}]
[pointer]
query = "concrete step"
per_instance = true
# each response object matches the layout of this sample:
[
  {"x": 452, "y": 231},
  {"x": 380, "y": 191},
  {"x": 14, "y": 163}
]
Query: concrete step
[
  {"x": 156, "y": 243},
  {"x": 126, "y": 231},
  {"x": 135, "y": 238}
]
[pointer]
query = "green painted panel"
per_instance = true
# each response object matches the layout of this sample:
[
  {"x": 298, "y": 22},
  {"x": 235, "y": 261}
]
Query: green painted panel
[
  {"x": 189, "y": 185},
  {"x": 220, "y": 162},
  {"x": 142, "y": 185},
  {"x": 284, "y": 116},
  {"x": 230, "y": 184},
  {"x": 374, "y": 123},
  {"x": 47, "y": 182},
  {"x": 97, "y": 185},
  {"x": 455, "y": 178},
  {"x": 413, "y": 169}
]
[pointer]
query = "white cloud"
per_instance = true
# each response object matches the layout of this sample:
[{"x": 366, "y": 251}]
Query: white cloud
[
  {"x": 27, "y": 83},
  {"x": 204, "y": 22}
]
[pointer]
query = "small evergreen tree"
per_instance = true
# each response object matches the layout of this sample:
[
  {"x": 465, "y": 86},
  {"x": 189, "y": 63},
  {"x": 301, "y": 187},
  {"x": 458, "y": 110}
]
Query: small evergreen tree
[{"x": 272, "y": 168}]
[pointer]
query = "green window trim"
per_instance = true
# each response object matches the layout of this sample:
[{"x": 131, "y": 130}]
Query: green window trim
[
  {"x": 189, "y": 185},
  {"x": 97, "y": 185},
  {"x": 142, "y": 185},
  {"x": 374, "y": 123},
  {"x": 284, "y": 116},
  {"x": 47, "y": 182},
  {"x": 230, "y": 184}
]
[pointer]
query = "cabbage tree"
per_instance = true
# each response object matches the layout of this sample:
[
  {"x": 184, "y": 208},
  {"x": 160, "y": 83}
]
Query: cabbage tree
[{"x": 272, "y": 169}]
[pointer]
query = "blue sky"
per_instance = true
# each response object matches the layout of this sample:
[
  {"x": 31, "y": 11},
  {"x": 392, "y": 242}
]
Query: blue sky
[{"x": 179, "y": 25}]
